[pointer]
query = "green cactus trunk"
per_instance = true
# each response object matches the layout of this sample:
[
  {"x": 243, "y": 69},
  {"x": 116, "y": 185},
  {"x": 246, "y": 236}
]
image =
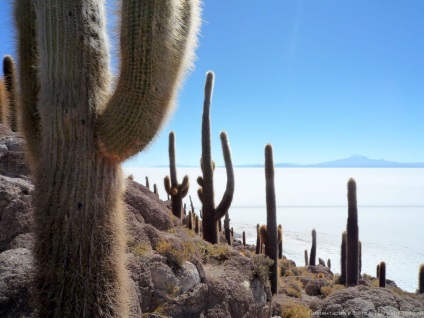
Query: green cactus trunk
[
  {"x": 352, "y": 255},
  {"x": 227, "y": 230},
  {"x": 271, "y": 245},
  {"x": 280, "y": 242},
  {"x": 343, "y": 253},
  {"x": 79, "y": 252},
  {"x": 382, "y": 275},
  {"x": 306, "y": 258},
  {"x": 421, "y": 280},
  {"x": 258, "y": 240},
  {"x": 313, "y": 255},
  {"x": 9, "y": 71},
  {"x": 212, "y": 214}
]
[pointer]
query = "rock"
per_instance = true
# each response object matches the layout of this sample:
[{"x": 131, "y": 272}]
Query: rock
[
  {"x": 313, "y": 287},
  {"x": 369, "y": 302},
  {"x": 15, "y": 212},
  {"x": 15, "y": 277},
  {"x": 12, "y": 158}
]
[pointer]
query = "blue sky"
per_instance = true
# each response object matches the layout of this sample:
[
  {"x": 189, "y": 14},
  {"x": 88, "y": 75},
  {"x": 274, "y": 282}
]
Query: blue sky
[{"x": 320, "y": 80}]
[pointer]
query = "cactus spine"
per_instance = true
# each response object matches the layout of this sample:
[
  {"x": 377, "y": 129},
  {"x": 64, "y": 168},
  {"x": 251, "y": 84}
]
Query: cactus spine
[
  {"x": 421, "y": 280},
  {"x": 86, "y": 131},
  {"x": 212, "y": 214},
  {"x": 271, "y": 246},
  {"x": 306, "y": 258},
  {"x": 382, "y": 275},
  {"x": 9, "y": 71},
  {"x": 175, "y": 190},
  {"x": 313, "y": 255},
  {"x": 343, "y": 253},
  {"x": 352, "y": 255}
]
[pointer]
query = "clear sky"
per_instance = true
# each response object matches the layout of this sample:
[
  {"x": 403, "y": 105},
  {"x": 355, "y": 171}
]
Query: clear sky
[{"x": 320, "y": 80}]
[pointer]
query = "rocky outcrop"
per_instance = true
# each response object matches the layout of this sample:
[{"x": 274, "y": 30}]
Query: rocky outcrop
[
  {"x": 173, "y": 271},
  {"x": 363, "y": 301}
]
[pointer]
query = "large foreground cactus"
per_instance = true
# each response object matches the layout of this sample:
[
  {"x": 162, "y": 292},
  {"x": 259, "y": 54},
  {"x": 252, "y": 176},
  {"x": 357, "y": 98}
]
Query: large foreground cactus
[
  {"x": 211, "y": 214},
  {"x": 78, "y": 133}
]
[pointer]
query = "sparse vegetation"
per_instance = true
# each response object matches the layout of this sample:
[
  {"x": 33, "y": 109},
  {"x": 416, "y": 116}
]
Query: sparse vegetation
[{"x": 294, "y": 310}]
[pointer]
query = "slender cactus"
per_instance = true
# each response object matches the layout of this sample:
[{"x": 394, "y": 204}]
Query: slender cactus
[
  {"x": 227, "y": 229},
  {"x": 271, "y": 246},
  {"x": 244, "y": 238},
  {"x": 173, "y": 188},
  {"x": 359, "y": 259},
  {"x": 147, "y": 183},
  {"x": 352, "y": 255},
  {"x": 258, "y": 240},
  {"x": 421, "y": 280},
  {"x": 78, "y": 132},
  {"x": 378, "y": 271},
  {"x": 9, "y": 71},
  {"x": 306, "y": 258},
  {"x": 280, "y": 241},
  {"x": 155, "y": 189},
  {"x": 212, "y": 214},
  {"x": 3, "y": 105},
  {"x": 262, "y": 234},
  {"x": 343, "y": 253},
  {"x": 313, "y": 255},
  {"x": 329, "y": 263},
  {"x": 382, "y": 275},
  {"x": 197, "y": 225}
]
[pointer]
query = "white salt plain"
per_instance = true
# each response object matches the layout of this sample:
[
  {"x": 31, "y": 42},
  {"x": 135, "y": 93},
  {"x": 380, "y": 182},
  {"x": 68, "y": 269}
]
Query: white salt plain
[{"x": 390, "y": 209}]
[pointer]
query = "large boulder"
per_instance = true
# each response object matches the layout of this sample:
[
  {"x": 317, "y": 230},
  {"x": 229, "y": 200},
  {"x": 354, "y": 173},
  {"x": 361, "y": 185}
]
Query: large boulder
[{"x": 363, "y": 301}]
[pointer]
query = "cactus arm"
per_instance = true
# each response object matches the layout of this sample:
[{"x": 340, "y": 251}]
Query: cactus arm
[
  {"x": 154, "y": 59},
  {"x": 200, "y": 194},
  {"x": 167, "y": 184},
  {"x": 184, "y": 187},
  {"x": 227, "y": 198},
  {"x": 28, "y": 75},
  {"x": 200, "y": 181}
]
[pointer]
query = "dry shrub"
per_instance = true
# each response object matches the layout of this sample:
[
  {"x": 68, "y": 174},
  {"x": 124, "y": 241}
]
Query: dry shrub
[
  {"x": 175, "y": 255},
  {"x": 294, "y": 310}
]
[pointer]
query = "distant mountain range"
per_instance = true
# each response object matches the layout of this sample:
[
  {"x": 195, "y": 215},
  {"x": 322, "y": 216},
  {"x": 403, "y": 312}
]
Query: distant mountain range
[{"x": 355, "y": 161}]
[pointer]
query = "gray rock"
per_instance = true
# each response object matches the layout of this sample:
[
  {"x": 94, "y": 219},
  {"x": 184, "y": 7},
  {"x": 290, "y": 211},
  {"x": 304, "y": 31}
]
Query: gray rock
[{"x": 15, "y": 278}]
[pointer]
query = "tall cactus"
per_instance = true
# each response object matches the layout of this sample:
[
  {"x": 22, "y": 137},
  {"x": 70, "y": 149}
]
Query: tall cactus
[
  {"x": 212, "y": 214},
  {"x": 173, "y": 188},
  {"x": 9, "y": 71},
  {"x": 343, "y": 251},
  {"x": 352, "y": 255},
  {"x": 78, "y": 133},
  {"x": 313, "y": 255},
  {"x": 271, "y": 246},
  {"x": 382, "y": 275},
  {"x": 306, "y": 258}
]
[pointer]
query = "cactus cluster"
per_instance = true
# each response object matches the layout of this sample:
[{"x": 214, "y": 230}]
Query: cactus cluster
[{"x": 78, "y": 132}]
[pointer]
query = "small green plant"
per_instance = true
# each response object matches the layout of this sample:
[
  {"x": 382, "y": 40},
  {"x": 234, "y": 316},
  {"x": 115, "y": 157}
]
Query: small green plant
[
  {"x": 176, "y": 256},
  {"x": 140, "y": 249},
  {"x": 294, "y": 310},
  {"x": 261, "y": 265}
]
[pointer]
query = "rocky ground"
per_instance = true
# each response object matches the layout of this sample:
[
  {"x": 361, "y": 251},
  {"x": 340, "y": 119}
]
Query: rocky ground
[{"x": 174, "y": 273}]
